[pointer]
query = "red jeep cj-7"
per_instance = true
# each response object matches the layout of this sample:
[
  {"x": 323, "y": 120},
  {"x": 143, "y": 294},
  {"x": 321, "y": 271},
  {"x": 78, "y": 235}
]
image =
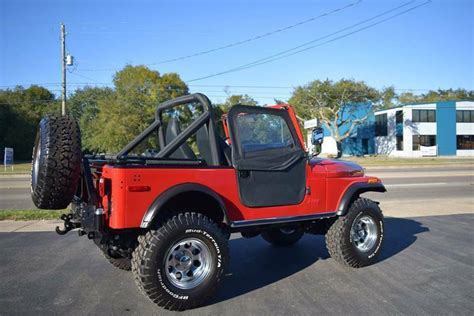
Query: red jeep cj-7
[{"x": 166, "y": 204}]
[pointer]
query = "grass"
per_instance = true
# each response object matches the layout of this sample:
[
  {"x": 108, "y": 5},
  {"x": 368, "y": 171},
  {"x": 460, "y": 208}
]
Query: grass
[
  {"x": 397, "y": 161},
  {"x": 18, "y": 168},
  {"x": 30, "y": 215}
]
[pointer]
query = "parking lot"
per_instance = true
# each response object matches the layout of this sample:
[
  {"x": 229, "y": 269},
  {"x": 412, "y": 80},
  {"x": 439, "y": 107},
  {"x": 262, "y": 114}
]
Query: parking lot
[{"x": 426, "y": 265}]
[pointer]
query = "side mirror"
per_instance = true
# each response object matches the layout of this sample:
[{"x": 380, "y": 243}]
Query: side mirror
[{"x": 317, "y": 136}]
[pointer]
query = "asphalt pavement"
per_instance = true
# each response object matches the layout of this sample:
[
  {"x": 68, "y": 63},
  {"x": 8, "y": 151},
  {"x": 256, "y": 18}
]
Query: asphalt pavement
[{"x": 425, "y": 268}]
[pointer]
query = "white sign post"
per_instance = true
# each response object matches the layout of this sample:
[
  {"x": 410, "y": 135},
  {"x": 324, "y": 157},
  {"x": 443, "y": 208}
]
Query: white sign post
[
  {"x": 311, "y": 123},
  {"x": 8, "y": 157}
]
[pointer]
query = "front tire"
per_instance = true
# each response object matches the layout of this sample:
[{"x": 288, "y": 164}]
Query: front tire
[
  {"x": 282, "y": 237},
  {"x": 180, "y": 265},
  {"x": 355, "y": 239}
]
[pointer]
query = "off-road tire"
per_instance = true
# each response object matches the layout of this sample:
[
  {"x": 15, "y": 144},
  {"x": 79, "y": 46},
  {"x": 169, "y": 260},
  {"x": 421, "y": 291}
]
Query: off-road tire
[
  {"x": 56, "y": 163},
  {"x": 339, "y": 240},
  {"x": 149, "y": 262},
  {"x": 122, "y": 263},
  {"x": 277, "y": 237}
]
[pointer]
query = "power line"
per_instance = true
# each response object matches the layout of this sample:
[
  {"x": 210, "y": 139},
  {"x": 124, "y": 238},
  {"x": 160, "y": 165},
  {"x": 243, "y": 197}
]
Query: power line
[
  {"x": 248, "y": 40},
  {"x": 224, "y": 86},
  {"x": 296, "y": 50},
  {"x": 82, "y": 76},
  {"x": 239, "y": 86}
]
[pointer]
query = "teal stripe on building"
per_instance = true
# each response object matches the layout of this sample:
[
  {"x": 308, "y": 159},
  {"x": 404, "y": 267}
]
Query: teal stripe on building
[{"x": 446, "y": 128}]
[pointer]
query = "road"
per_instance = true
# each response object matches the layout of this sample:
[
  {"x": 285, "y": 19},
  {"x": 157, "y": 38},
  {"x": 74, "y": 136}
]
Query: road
[
  {"x": 448, "y": 190},
  {"x": 426, "y": 191},
  {"x": 425, "y": 268}
]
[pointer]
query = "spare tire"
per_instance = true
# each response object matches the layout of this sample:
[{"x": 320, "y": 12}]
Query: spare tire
[{"x": 56, "y": 164}]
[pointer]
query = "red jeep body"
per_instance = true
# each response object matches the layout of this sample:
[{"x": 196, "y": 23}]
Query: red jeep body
[{"x": 135, "y": 189}]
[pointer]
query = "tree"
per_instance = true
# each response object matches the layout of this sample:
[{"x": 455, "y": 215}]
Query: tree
[
  {"x": 341, "y": 106},
  {"x": 83, "y": 105},
  {"x": 127, "y": 112},
  {"x": 20, "y": 112},
  {"x": 220, "y": 109},
  {"x": 436, "y": 95}
]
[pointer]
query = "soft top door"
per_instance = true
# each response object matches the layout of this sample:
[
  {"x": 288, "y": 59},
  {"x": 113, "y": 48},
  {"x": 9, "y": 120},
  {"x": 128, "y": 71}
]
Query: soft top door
[{"x": 269, "y": 160}]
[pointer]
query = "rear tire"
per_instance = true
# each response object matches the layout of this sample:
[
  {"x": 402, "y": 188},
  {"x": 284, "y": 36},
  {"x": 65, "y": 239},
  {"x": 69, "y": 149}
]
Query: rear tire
[
  {"x": 282, "y": 237},
  {"x": 179, "y": 265},
  {"x": 56, "y": 163},
  {"x": 355, "y": 239}
]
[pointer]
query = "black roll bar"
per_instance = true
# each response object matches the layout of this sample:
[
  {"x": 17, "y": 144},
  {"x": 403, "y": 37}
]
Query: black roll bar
[{"x": 205, "y": 119}]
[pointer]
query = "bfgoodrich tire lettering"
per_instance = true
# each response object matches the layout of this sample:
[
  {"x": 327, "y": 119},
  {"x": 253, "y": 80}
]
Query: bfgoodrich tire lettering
[
  {"x": 149, "y": 261},
  {"x": 56, "y": 164},
  {"x": 340, "y": 242}
]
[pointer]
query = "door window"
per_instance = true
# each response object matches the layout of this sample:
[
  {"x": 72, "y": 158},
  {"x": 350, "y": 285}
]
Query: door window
[{"x": 259, "y": 132}]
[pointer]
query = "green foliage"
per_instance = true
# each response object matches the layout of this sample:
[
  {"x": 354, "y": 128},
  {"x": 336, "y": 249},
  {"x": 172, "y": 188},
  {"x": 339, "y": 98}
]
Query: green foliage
[
  {"x": 121, "y": 116},
  {"x": 436, "y": 95},
  {"x": 20, "y": 112},
  {"x": 30, "y": 215},
  {"x": 83, "y": 105}
]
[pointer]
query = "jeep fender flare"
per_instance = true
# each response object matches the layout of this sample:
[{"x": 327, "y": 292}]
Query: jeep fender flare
[
  {"x": 354, "y": 191},
  {"x": 167, "y": 195}
]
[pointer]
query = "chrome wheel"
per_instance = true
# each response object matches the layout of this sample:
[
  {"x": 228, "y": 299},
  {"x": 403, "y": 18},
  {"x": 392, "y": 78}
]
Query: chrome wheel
[
  {"x": 364, "y": 233},
  {"x": 188, "y": 263},
  {"x": 36, "y": 164}
]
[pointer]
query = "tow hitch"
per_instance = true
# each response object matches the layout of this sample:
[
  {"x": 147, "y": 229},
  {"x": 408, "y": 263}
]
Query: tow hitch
[{"x": 68, "y": 224}]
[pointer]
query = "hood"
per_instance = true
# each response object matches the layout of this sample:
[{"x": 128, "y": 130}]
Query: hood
[{"x": 338, "y": 168}]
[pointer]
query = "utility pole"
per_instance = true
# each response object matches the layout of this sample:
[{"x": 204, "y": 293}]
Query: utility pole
[{"x": 63, "y": 68}]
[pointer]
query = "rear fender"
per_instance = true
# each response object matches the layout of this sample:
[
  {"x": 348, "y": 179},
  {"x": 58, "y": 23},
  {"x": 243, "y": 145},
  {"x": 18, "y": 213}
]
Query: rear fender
[{"x": 166, "y": 196}]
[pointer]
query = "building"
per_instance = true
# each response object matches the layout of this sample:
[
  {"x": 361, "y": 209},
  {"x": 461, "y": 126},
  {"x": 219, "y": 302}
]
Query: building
[
  {"x": 429, "y": 129},
  {"x": 414, "y": 130}
]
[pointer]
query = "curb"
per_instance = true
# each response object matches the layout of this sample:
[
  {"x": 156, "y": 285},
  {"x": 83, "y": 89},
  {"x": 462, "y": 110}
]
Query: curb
[
  {"x": 9, "y": 226},
  {"x": 471, "y": 166}
]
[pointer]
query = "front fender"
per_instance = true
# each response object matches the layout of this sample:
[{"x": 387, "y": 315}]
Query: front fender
[{"x": 354, "y": 191}]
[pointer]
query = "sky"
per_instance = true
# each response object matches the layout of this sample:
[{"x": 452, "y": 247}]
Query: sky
[{"x": 429, "y": 47}]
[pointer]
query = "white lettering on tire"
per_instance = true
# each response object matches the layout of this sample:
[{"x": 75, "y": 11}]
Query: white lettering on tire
[
  {"x": 380, "y": 241},
  {"x": 174, "y": 295},
  {"x": 216, "y": 246}
]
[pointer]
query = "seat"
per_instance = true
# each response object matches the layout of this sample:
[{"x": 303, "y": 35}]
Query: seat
[
  {"x": 182, "y": 152},
  {"x": 202, "y": 140}
]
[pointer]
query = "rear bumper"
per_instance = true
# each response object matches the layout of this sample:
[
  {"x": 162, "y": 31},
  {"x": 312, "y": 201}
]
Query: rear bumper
[{"x": 85, "y": 211}]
